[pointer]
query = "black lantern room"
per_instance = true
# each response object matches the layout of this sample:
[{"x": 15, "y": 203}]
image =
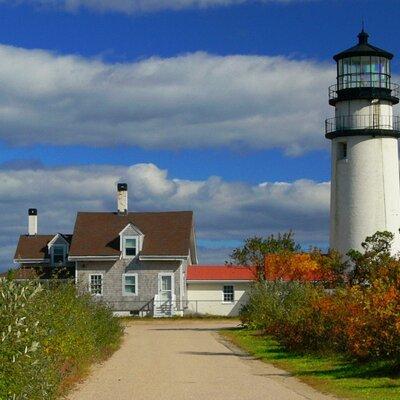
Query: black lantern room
[{"x": 363, "y": 72}]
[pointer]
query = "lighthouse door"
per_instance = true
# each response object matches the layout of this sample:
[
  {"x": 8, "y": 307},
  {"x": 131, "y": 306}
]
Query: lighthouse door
[{"x": 376, "y": 122}]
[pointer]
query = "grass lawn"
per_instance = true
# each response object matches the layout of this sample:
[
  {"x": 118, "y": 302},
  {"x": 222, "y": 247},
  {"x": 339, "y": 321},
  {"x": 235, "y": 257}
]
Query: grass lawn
[{"x": 369, "y": 381}]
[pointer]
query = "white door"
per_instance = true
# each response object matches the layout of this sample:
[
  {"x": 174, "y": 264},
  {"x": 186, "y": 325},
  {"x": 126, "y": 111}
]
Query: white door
[{"x": 165, "y": 287}]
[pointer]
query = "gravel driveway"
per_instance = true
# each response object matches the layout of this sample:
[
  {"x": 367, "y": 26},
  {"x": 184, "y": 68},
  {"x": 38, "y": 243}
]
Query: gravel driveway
[{"x": 170, "y": 359}]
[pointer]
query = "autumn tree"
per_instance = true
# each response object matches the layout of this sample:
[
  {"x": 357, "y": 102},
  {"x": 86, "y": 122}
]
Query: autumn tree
[
  {"x": 254, "y": 250},
  {"x": 377, "y": 253}
]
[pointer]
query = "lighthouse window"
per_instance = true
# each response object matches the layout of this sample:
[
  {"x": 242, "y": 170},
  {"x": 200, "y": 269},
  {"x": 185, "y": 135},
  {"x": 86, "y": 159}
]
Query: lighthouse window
[
  {"x": 342, "y": 151},
  {"x": 365, "y": 71},
  {"x": 355, "y": 67}
]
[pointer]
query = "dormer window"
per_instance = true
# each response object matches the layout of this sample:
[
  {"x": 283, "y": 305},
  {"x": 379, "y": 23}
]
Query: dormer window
[
  {"x": 58, "y": 254},
  {"x": 58, "y": 250},
  {"x": 130, "y": 246},
  {"x": 131, "y": 241}
]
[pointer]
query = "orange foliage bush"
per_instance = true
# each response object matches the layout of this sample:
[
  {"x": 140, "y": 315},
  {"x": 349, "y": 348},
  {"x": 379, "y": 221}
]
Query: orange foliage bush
[
  {"x": 304, "y": 267},
  {"x": 359, "y": 315},
  {"x": 291, "y": 267},
  {"x": 371, "y": 320}
]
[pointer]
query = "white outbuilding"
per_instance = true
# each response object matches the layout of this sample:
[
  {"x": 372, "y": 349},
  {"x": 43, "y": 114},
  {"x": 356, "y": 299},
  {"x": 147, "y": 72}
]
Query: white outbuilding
[{"x": 217, "y": 289}]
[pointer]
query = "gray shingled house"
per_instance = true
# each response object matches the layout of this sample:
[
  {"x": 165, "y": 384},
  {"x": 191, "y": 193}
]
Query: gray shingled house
[{"x": 135, "y": 262}]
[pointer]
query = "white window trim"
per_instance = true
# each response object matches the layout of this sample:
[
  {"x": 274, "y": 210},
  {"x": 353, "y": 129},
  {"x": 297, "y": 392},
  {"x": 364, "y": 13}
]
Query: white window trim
[
  {"x": 172, "y": 275},
  {"x": 102, "y": 284},
  {"x": 136, "y": 284},
  {"x": 124, "y": 238},
  {"x": 223, "y": 297}
]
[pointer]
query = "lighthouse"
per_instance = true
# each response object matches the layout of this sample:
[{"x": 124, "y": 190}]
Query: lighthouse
[{"x": 365, "y": 188}]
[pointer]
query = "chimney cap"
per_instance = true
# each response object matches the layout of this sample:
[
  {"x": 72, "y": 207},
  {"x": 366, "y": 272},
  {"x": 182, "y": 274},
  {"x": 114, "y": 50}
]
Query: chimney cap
[
  {"x": 32, "y": 211},
  {"x": 122, "y": 187}
]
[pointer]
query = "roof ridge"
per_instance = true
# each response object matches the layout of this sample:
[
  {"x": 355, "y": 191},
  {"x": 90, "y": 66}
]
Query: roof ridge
[{"x": 136, "y": 212}]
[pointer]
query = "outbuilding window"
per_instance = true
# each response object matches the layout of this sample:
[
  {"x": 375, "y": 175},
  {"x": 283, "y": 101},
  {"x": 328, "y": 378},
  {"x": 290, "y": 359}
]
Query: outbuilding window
[{"x": 228, "y": 294}]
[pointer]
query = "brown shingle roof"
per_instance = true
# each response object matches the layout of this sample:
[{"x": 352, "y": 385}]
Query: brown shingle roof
[
  {"x": 34, "y": 247},
  {"x": 166, "y": 233}
]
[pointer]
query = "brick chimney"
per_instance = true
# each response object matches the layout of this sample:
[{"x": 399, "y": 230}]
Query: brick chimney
[
  {"x": 122, "y": 198},
  {"x": 32, "y": 222}
]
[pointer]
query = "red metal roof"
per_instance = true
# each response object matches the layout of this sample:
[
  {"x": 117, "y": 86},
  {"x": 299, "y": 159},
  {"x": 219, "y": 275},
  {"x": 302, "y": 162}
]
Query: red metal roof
[{"x": 220, "y": 273}]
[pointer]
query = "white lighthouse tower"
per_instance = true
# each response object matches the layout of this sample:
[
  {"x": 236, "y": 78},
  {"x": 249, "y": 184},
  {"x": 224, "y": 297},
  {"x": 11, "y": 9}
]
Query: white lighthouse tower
[{"x": 365, "y": 188}]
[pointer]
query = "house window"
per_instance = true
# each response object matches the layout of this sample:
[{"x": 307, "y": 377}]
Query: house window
[
  {"x": 130, "y": 284},
  {"x": 96, "y": 284},
  {"x": 228, "y": 294},
  {"x": 342, "y": 151},
  {"x": 130, "y": 247},
  {"x": 58, "y": 254}
]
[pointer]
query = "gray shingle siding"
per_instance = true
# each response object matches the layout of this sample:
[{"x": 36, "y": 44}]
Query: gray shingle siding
[{"x": 112, "y": 280}]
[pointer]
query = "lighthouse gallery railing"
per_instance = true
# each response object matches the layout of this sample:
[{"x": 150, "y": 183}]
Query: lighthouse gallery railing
[
  {"x": 393, "y": 87},
  {"x": 360, "y": 122}
]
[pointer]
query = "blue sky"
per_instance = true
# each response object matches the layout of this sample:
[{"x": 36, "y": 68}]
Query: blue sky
[{"x": 151, "y": 50}]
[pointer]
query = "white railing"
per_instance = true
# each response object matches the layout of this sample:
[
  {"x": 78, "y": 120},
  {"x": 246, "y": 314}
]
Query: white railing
[{"x": 164, "y": 308}]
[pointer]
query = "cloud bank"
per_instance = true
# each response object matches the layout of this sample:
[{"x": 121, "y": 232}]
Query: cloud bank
[
  {"x": 224, "y": 211},
  {"x": 195, "y": 100},
  {"x": 135, "y": 6}
]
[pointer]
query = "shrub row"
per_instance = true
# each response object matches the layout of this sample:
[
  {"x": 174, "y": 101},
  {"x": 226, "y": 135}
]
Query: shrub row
[
  {"x": 359, "y": 317},
  {"x": 49, "y": 336},
  {"x": 364, "y": 323}
]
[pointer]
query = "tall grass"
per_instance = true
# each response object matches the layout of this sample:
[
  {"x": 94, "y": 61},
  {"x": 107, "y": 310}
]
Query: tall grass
[{"x": 49, "y": 336}]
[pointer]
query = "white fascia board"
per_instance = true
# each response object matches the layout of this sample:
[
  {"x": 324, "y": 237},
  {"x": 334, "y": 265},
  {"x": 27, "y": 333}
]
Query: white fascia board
[
  {"x": 135, "y": 228},
  {"x": 30, "y": 261},
  {"x": 196, "y": 259},
  {"x": 161, "y": 258},
  {"x": 55, "y": 238},
  {"x": 93, "y": 258},
  {"x": 219, "y": 280}
]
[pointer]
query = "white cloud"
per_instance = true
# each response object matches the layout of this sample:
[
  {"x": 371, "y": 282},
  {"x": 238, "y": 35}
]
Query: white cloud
[
  {"x": 189, "y": 101},
  {"x": 134, "y": 6},
  {"x": 224, "y": 211}
]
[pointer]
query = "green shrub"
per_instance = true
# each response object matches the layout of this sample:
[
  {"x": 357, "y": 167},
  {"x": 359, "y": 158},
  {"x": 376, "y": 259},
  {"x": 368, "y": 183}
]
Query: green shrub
[
  {"x": 48, "y": 335},
  {"x": 285, "y": 310}
]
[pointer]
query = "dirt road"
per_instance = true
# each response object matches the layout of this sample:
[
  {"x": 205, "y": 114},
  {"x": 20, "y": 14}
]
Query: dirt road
[{"x": 183, "y": 360}]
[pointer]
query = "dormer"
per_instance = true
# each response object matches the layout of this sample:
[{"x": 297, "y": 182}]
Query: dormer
[
  {"x": 131, "y": 241},
  {"x": 58, "y": 249}
]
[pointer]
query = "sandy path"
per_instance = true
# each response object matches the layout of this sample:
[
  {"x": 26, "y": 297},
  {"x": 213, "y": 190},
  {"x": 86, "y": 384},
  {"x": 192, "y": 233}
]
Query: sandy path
[{"x": 164, "y": 360}]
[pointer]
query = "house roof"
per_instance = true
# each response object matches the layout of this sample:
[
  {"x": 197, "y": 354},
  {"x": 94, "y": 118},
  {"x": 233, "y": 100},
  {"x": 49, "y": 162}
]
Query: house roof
[
  {"x": 35, "y": 247},
  {"x": 220, "y": 273},
  {"x": 165, "y": 233}
]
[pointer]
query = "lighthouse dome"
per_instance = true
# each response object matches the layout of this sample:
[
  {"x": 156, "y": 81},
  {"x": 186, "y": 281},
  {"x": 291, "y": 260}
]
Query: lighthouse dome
[
  {"x": 364, "y": 72},
  {"x": 363, "y": 48}
]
